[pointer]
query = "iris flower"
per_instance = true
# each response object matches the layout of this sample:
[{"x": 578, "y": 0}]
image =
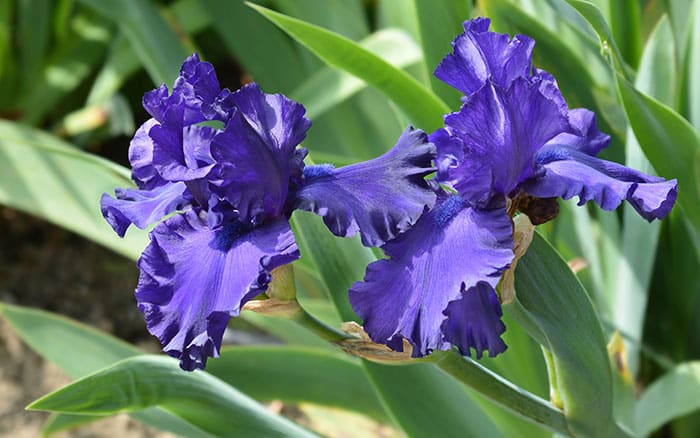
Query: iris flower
[
  {"x": 223, "y": 197},
  {"x": 513, "y": 144}
]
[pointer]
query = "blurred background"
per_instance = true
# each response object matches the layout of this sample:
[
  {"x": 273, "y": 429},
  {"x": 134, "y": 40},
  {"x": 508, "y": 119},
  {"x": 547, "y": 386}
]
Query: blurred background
[{"x": 72, "y": 74}]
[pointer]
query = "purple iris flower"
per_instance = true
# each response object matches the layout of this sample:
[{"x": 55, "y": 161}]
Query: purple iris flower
[
  {"x": 514, "y": 143},
  {"x": 227, "y": 193}
]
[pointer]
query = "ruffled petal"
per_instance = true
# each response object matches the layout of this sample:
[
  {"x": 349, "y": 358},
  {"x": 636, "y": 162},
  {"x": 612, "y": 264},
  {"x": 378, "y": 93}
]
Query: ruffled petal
[
  {"x": 250, "y": 174},
  {"x": 569, "y": 172},
  {"x": 479, "y": 55},
  {"x": 584, "y": 134},
  {"x": 379, "y": 198},
  {"x": 277, "y": 120},
  {"x": 181, "y": 153},
  {"x": 474, "y": 321},
  {"x": 194, "y": 279},
  {"x": 196, "y": 93},
  {"x": 141, "y": 158},
  {"x": 500, "y": 130},
  {"x": 142, "y": 207},
  {"x": 450, "y": 249}
]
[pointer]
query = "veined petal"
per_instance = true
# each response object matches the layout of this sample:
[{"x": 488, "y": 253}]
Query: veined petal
[
  {"x": 379, "y": 198},
  {"x": 181, "y": 153},
  {"x": 452, "y": 248},
  {"x": 569, "y": 172},
  {"x": 194, "y": 279},
  {"x": 279, "y": 121},
  {"x": 142, "y": 207},
  {"x": 500, "y": 131},
  {"x": 479, "y": 56},
  {"x": 253, "y": 176},
  {"x": 141, "y": 158},
  {"x": 585, "y": 135},
  {"x": 474, "y": 321}
]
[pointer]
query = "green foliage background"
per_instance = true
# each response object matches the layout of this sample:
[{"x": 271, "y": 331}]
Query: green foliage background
[{"x": 72, "y": 73}]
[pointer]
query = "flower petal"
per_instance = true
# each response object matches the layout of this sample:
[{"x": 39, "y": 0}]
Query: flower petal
[
  {"x": 499, "y": 131},
  {"x": 474, "y": 321},
  {"x": 141, "y": 158},
  {"x": 585, "y": 135},
  {"x": 142, "y": 207},
  {"x": 450, "y": 249},
  {"x": 279, "y": 121},
  {"x": 250, "y": 174},
  {"x": 194, "y": 279},
  {"x": 570, "y": 172},
  {"x": 379, "y": 198},
  {"x": 479, "y": 55},
  {"x": 181, "y": 153}
]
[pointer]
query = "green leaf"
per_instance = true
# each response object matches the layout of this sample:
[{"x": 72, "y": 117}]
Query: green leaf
[
  {"x": 78, "y": 350},
  {"x": 690, "y": 86},
  {"x": 420, "y": 105},
  {"x": 296, "y": 375},
  {"x": 48, "y": 178},
  {"x": 554, "y": 308},
  {"x": 439, "y": 22},
  {"x": 595, "y": 18},
  {"x": 154, "y": 42},
  {"x": 68, "y": 68},
  {"x": 426, "y": 403},
  {"x": 626, "y": 24},
  {"x": 328, "y": 87},
  {"x": 669, "y": 142},
  {"x": 341, "y": 262},
  {"x": 656, "y": 76},
  {"x": 673, "y": 395},
  {"x": 33, "y": 27},
  {"x": 147, "y": 381}
]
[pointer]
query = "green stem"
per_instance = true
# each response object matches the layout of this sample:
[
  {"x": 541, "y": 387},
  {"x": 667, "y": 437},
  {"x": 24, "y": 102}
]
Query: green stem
[
  {"x": 326, "y": 332},
  {"x": 501, "y": 391}
]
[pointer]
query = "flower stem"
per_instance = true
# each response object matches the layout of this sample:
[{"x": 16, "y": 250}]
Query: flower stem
[
  {"x": 326, "y": 332},
  {"x": 502, "y": 392}
]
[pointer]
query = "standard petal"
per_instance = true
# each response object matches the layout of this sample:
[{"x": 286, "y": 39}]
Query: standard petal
[
  {"x": 379, "y": 198},
  {"x": 141, "y": 158},
  {"x": 142, "y": 207},
  {"x": 279, "y": 121},
  {"x": 180, "y": 152},
  {"x": 252, "y": 175},
  {"x": 569, "y": 172},
  {"x": 451, "y": 248},
  {"x": 479, "y": 56},
  {"x": 500, "y": 131},
  {"x": 474, "y": 321},
  {"x": 194, "y": 279},
  {"x": 584, "y": 135}
]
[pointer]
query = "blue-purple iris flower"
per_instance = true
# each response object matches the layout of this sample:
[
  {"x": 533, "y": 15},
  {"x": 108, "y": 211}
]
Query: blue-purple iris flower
[
  {"x": 230, "y": 192},
  {"x": 514, "y": 139}
]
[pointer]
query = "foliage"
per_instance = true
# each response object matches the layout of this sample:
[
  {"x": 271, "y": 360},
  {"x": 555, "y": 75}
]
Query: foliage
[{"x": 71, "y": 77}]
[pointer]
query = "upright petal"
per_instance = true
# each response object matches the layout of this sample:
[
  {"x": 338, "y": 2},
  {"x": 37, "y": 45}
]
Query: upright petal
[
  {"x": 188, "y": 304},
  {"x": 141, "y": 158},
  {"x": 500, "y": 131},
  {"x": 451, "y": 249},
  {"x": 584, "y": 134},
  {"x": 142, "y": 207},
  {"x": 479, "y": 56},
  {"x": 181, "y": 152},
  {"x": 379, "y": 198},
  {"x": 279, "y": 121},
  {"x": 474, "y": 321},
  {"x": 250, "y": 174},
  {"x": 568, "y": 172}
]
